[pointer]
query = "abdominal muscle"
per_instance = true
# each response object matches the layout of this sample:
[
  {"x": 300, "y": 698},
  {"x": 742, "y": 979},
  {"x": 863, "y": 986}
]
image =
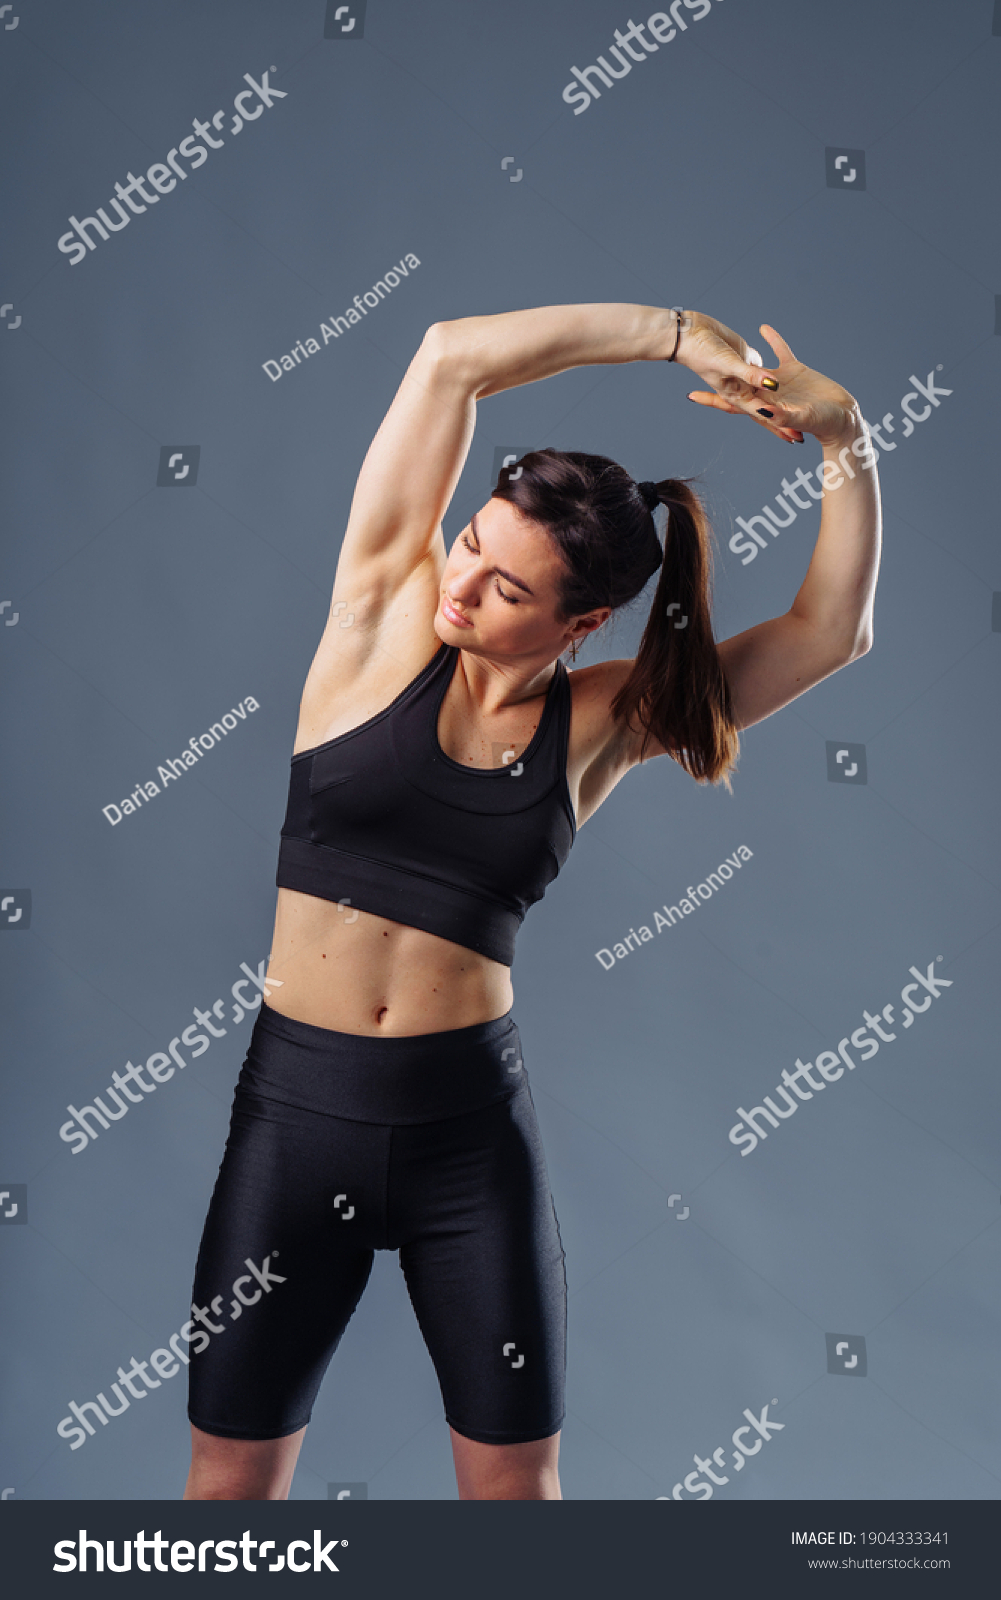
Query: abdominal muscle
[{"x": 340, "y": 968}]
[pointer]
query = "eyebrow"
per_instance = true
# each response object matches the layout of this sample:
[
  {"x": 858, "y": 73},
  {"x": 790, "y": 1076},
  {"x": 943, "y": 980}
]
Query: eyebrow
[{"x": 510, "y": 577}]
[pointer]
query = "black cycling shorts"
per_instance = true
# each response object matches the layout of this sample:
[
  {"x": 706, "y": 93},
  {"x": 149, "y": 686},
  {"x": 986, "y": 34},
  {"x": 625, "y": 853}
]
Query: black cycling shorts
[{"x": 341, "y": 1145}]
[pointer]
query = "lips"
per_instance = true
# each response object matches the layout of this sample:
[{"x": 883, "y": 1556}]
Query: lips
[{"x": 451, "y": 615}]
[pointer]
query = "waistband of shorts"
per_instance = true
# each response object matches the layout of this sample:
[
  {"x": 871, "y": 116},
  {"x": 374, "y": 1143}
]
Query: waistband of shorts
[{"x": 422, "y": 1077}]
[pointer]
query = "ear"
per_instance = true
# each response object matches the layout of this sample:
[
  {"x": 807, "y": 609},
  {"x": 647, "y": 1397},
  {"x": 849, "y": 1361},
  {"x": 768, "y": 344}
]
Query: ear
[{"x": 585, "y": 625}]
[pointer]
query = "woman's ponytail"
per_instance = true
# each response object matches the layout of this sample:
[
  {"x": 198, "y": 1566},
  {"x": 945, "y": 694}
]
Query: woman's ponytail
[
  {"x": 601, "y": 524},
  {"x": 677, "y": 689}
]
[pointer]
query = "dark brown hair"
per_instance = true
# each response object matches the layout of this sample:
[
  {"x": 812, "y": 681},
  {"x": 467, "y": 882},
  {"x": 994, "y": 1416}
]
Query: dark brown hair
[{"x": 605, "y": 535}]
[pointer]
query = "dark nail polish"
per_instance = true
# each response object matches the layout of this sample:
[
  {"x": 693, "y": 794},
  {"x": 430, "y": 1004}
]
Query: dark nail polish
[
  {"x": 768, "y": 383},
  {"x": 763, "y": 413}
]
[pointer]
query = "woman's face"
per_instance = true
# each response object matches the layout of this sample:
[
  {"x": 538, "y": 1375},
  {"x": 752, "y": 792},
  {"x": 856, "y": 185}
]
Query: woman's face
[{"x": 500, "y": 589}]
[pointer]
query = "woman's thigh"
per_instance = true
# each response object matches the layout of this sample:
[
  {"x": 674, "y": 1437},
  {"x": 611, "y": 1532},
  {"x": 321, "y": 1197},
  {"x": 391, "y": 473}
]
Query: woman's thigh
[
  {"x": 288, "y": 1246},
  {"x": 481, "y": 1252}
]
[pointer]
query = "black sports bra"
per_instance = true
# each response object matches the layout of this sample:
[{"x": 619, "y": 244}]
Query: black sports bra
[{"x": 382, "y": 819}]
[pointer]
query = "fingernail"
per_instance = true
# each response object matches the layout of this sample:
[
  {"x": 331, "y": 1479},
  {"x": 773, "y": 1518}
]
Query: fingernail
[
  {"x": 768, "y": 383},
  {"x": 763, "y": 413}
]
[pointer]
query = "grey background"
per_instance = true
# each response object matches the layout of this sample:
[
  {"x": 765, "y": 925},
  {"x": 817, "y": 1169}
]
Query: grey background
[{"x": 143, "y": 615}]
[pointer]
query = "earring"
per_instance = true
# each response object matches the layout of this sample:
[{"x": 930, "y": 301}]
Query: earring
[{"x": 573, "y": 650}]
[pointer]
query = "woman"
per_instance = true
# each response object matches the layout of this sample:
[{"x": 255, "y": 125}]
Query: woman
[{"x": 443, "y": 761}]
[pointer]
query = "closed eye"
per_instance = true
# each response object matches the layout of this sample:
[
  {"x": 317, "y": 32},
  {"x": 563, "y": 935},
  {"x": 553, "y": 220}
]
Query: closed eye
[{"x": 475, "y": 552}]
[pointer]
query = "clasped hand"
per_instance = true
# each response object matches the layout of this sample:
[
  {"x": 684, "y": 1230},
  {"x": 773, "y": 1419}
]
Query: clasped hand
[{"x": 804, "y": 402}]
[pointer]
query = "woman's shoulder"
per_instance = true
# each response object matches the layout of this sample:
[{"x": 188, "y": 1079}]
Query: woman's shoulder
[
  {"x": 593, "y": 728},
  {"x": 597, "y": 685}
]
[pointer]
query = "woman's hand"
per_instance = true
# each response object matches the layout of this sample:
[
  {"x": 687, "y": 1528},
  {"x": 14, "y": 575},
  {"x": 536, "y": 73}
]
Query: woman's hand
[{"x": 804, "y": 402}]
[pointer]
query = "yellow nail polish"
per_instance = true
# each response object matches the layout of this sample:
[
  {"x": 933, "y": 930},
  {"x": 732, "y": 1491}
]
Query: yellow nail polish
[{"x": 768, "y": 383}]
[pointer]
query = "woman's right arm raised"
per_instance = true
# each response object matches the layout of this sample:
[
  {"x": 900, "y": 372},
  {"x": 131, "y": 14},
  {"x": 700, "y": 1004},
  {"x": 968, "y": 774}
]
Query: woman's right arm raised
[{"x": 389, "y": 569}]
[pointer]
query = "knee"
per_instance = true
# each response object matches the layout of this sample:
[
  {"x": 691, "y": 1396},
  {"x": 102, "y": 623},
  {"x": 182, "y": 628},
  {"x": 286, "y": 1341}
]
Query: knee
[
  {"x": 507, "y": 1472},
  {"x": 210, "y": 1486},
  {"x": 514, "y": 1486},
  {"x": 241, "y": 1469}
]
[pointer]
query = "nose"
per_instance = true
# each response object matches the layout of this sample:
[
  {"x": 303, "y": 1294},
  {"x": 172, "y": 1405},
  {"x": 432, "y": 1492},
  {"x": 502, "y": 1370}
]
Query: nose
[{"x": 463, "y": 586}]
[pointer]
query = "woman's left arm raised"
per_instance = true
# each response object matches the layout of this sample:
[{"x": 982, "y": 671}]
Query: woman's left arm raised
[{"x": 829, "y": 623}]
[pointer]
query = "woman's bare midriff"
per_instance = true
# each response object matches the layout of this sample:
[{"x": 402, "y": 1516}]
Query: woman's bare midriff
[{"x": 341, "y": 968}]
